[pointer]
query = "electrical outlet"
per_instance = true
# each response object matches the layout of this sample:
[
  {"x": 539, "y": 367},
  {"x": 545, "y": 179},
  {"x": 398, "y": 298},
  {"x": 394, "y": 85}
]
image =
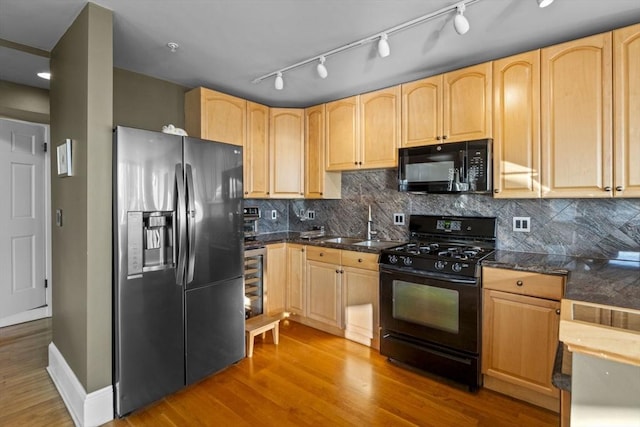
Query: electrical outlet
[
  {"x": 522, "y": 223},
  {"x": 302, "y": 213},
  {"x": 274, "y": 214},
  {"x": 398, "y": 219},
  {"x": 311, "y": 214}
]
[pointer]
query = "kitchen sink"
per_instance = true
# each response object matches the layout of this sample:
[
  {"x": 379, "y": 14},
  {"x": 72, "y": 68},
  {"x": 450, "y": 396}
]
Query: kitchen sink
[
  {"x": 343, "y": 240},
  {"x": 382, "y": 244}
]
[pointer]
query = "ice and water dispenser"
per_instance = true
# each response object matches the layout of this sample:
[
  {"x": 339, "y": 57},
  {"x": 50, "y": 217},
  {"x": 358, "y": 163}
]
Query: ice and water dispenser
[{"x": 150, "y": 241}]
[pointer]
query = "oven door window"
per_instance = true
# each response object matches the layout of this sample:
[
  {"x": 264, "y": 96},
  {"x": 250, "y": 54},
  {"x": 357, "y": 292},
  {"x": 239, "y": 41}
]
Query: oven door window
[{"x": 426, "y": 305}]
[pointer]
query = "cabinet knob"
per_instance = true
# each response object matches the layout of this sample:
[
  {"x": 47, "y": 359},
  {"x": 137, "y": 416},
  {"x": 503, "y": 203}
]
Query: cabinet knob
[
  {"x": 359, "y": 163},
  {"x": 337, "y": 271},
  {"x": 607, "y": 188},
  {"x": 619, "y": 188},
  {"x": 496, "y": 190},
  {"x": 268, "y": 193},
  {"x": 246, "y": 192},
  {"x": 519, "y": 283},
  {"x": 557, "y": 311},
  {"x": 444, "y": 137},
  {"x": 359, "y": 259},
  {"x": 355, "y": 163},
  {"x": 438, "y": 138},
  {"x": 302, "y": 250},
  {"x": 321, "y": 193},
  {"x": 321, "y": 253}
]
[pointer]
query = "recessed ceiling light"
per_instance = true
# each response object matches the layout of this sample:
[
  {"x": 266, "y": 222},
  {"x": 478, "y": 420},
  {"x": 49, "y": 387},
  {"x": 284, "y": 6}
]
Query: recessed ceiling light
[{"x": 45, "y": 75}]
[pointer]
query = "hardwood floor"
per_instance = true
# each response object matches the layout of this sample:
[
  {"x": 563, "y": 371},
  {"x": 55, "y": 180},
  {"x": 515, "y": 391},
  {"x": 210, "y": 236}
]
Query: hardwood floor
[
  {"x": 310, "y": 378},
  {"x": 27, "y": 394}
]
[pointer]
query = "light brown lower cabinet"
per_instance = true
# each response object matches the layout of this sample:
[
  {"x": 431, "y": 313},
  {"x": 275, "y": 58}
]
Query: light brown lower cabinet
[
  {"x": 276, "y": 277},
  {"x": 520, "y": 334},
  {"x": 326, "y": 285}
]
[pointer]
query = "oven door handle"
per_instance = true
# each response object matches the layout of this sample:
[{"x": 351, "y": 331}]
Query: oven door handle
[{"x": 438, "y": 276}]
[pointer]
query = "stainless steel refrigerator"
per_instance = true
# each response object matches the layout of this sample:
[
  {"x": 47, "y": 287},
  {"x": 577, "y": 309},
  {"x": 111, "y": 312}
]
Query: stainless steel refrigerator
[{"x": 178, "y": 263}]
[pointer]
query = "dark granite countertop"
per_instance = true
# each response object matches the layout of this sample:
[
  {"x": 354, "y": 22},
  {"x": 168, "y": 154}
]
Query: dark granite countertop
[
  {"x": 294, "y": 237},
  {"x": 609, "y": 282}
]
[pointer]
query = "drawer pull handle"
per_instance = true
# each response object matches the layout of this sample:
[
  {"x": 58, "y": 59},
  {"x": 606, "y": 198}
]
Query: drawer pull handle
[
  {"x": 321, "y": 253},
  {"x": 519, "y": 283}
]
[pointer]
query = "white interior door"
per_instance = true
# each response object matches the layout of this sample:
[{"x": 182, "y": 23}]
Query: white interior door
[{"x": 22, "y": 217}]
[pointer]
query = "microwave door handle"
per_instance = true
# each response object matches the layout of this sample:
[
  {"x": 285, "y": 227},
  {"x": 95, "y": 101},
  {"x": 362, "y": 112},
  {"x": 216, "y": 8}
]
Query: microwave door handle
[
  {"x": 180, "y": 229},
  {"x": 191, "y": 223}
]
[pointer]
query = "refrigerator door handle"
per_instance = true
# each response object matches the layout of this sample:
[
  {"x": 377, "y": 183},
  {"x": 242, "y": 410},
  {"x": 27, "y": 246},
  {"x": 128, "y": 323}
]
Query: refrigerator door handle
[
  {"x": 191, "y": 222},
  {"x": 181, "y": 226}
]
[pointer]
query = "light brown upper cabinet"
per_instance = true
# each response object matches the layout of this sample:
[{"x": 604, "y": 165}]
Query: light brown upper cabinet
[
  {"x": 363, "y": 132},
  {"x": 576, "y": 118},
  {"x": 626, "y": 65},
  {"x": 318, "y": 183},
  {"x": 342, "y": 134},
  {"x": 379, "y": 128},
  {"x": 215, "y": 116},
  {"x": 516, "y": 126},
  {"x": 454, "y": 106},
  {"x": 286, "y": 142},
  {"x": 256, "y": 152}
]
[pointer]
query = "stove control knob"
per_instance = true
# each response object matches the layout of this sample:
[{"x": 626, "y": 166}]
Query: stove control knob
[
  {"x": 393, "y": 259},
  {"x": 408, "y": 261},
  {"x": 440, "y": 264},
  {"x": 456, "y": 267}
]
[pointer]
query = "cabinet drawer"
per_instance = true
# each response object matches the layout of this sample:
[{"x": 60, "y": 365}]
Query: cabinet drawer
[
  {"x": 329, "y": 255},
  {"x": 363, "y": 260},
  {"x": 523, "y": 282}
]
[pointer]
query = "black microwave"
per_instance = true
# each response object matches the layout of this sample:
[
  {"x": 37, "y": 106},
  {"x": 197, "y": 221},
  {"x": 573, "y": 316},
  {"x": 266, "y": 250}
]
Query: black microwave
[{"x": 454, "y": 167}]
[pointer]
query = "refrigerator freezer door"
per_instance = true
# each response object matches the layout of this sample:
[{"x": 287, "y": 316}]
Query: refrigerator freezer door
[
  {"x": 213, "y": 174},
  {"x": 215, "y": 328},
  {"x": 148, "y": 304}
]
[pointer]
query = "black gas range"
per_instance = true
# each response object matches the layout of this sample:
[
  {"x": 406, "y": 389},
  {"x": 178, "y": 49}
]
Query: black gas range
[{"x": 430, "y": 299}]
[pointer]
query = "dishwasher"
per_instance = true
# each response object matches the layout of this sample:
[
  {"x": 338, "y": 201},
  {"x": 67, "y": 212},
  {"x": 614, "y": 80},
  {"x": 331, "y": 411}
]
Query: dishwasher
[{"x": 254, "y": 266}]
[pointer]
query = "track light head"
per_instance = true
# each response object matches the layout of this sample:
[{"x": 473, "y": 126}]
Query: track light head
[
  {"x": 544, "y": 3},
  {"x": 279, "y": 82},
  {"x": 383, "y": 46},
  {"x": 460, "y": 23},
  {"x": 321, "y": 68}
]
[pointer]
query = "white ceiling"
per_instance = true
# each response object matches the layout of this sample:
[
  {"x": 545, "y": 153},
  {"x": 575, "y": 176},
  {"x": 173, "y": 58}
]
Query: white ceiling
[{"x": 225, "y": 44}]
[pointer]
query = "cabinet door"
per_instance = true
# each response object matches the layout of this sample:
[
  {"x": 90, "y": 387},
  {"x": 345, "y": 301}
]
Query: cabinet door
[
  {"x": 626, "y": 42},
  {"x": 361, "y": 287},
  {"x": 380, "y": 128},
  {"x": 576, "y": 118},
  {"x": 286, "y": 153},
  {"x": 324, "y": 299},
  {"x": 215, "y": 116},
  {"x": 520, "y": 338},
  {"x": 343, "y": 134},
  {"x": 422, "y": 112},
  {"x": 318, "y": 183},
  {"x": 296, "y": 295},
  {"x": 467, "y": 104},
  {"x": 256, "y": 152},
  {"x": 516, "y": 128},
  {"x": 276, "y": 278}
]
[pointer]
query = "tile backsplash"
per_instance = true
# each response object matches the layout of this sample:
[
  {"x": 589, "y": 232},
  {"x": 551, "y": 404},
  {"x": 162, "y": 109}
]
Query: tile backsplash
[{"x": 597, "y": 228}]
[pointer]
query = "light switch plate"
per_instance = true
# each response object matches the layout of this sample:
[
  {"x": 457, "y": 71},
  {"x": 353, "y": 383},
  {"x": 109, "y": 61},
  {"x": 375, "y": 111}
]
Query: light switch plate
[
  {"x": 274, "y": 214},
  {"x": 398, "y": 219},
  {"x": 522, "y": 223}
]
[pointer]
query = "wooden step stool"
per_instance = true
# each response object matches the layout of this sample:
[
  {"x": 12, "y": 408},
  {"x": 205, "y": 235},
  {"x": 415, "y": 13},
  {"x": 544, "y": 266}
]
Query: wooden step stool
[{"x": 260, "y": 325}]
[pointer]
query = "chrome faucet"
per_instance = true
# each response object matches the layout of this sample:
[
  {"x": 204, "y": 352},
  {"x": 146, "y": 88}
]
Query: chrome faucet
[{"x": 370, "y": 233}]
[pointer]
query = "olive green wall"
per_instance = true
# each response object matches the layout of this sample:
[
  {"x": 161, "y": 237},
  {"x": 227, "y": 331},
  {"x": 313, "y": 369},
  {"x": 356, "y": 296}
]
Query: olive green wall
[
  {"x": 24, "y": 102},
  {"x": 145, "y": 102},
  {"x": 82, "y": 110}
]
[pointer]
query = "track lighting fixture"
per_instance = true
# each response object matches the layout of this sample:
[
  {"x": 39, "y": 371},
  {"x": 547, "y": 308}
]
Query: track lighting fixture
[
  {"x": 544, "y": 3},
  {"x": 321, "y": 68},
  {"x": 460, "y": 23},
  {"x": 383, "y": 46},
  {"x": 279, "y": 82}
]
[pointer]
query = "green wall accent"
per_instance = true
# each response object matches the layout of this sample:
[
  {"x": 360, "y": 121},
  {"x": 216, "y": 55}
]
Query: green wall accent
[
  {"x": 24, "y": 102},
  {"x": 145, "y": 102},
  {"x": 82, "y": 109}
]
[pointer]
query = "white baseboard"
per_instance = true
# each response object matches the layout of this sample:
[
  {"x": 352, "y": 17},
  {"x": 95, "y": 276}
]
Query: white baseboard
[
  {"x": 87, "y": 410},
  {"x": 26, "y": 316}
]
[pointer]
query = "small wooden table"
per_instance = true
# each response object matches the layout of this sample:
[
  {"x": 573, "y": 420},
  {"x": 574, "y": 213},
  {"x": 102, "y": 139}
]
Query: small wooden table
[{"x": 260, "y": 325}]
